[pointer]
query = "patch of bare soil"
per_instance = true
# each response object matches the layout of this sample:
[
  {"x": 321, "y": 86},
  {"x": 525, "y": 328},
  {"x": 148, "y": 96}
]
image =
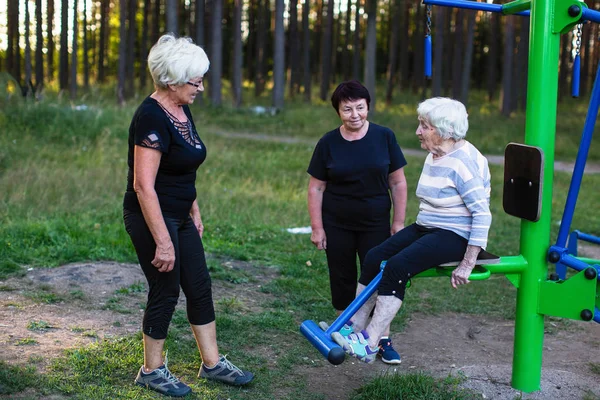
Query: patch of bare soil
[{"x": 89, "y": 309}]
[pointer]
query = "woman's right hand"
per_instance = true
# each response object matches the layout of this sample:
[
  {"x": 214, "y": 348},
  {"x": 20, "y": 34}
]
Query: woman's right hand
[
  {"x": 164, "y": 257},
  {"x": 319, "y": 238}
]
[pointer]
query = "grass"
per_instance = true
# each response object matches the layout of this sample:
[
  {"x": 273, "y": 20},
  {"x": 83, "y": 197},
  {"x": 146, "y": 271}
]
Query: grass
[
  {"x": 62, "y": 177},
  {"x": 414, "y": 386}
]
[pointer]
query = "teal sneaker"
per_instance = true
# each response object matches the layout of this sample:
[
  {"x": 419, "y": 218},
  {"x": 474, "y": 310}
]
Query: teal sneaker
[
  {"x": 356, "y": 345},
  {"x": 162, "y": 381},
  {"x": 344, "y": 330},
  {"x": 387, "y": 353}
]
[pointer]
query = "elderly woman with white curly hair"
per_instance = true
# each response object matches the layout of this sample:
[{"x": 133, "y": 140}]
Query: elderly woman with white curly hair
[
  {"x": 162, "y": 216},
  {"x": 453, "y": 223}
]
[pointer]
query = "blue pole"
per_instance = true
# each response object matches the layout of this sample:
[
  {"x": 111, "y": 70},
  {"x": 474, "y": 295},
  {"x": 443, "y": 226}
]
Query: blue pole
[
  {"x": 590, "y": 15},
  {"x": 473, "y": 5},
  {"x": 575, "y": 80},
  {"x": 428, "y": 56},
  {"x": 582, "y": 154}
]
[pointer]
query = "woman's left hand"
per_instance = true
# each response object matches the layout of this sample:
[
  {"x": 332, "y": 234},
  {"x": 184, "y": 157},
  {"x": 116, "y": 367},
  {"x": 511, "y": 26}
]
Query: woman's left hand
[
  {"x": 460, "y": 276},
  {"x": 199, "y": 226}
]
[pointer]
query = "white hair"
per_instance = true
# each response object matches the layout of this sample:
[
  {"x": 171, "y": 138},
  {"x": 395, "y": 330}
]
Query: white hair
[
  {"x": 174, "y": 61},
  {"x": 449, "y": 117}
]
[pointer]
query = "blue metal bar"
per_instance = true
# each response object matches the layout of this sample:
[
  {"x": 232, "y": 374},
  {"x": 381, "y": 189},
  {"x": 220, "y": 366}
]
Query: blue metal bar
[
  {"x": 588, "y": 238},
  {"x": 590, "y": 15},
  {"x": 428, "y": 56},
  {"x": 322, "y": 340},
  {"x": 578, "y": 265},
  {"x": 357, "y": 303},
  {"x": 575, "y": 80},
  {"x": 472, "y": 5},
  {"x": 582, "y": 154},
  {"x": 597, "y": 315}
]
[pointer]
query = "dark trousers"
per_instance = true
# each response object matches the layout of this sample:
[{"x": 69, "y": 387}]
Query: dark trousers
[
  {"x": 412, "y": 250},
  {"x": 190, "y": 273},
  {"x": 342, "y": 247}
]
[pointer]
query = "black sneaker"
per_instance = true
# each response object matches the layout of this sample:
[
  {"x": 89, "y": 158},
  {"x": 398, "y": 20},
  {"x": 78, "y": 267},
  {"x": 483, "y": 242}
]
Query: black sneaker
[
  {"x": 162, "y": 381},
  {"x": 226, "y": 372}
]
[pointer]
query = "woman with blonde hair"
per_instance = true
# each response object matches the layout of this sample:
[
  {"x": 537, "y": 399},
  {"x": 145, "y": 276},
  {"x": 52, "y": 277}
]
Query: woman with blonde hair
[{"x": 163, "y": 219}]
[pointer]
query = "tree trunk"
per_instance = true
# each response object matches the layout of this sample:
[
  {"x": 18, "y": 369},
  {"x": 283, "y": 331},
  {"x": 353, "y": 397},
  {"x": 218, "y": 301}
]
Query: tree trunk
[
  {"x": 131, "y": 36},
  {"x": 492, "y": 64},
  {"x": 371, "y": 51},
  {"x": 279, "y": 56},
  {"x": 393, "y": 50},
  {"x": 28, "y": 66},
  {"x": 73, "y": 80},
  {"x": 122, "y": 69},
  {"x": 157, "y": 21},
  {"x": 403, "y": 44},
  {"x": 216, "y": 53},
  {"x": 356, "y": 48},
  {"x": 465, "y": 80},
  {"x": 347, "y": 42},
  {"x": 565, "y": 52},
  {"x": 418, "y": 62},
  {"x": 438, "y": 52},
  {"x": 86, "y": 60},
  {"x": 144, "y": 45},
  {"x": 336, "y": 26},
  {"x": 306, "y": 51},
  {"x": 326, "y": 51},
  {"x": 458, "y": 50},
  {"x": 294, "y": 46},
  {"x": 50, "y": 35},
  {"x": 261, "y": 41},
  {"x": 63, "y": 69},
  {"x": 507, "y": 66},
  {"x": 586, "y": 58},
  {"x": 39, "y": 45},
  {"x": 522, "y": 65},
  {"x": 236, "y": 79},
  {"x": 172, "y": 17},
  {"x": 102, "y": 51}
]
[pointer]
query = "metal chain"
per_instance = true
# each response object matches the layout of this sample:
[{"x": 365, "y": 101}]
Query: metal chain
[
  {"x": 578, "y": 40},
  {"x": 428, "y": 22}
]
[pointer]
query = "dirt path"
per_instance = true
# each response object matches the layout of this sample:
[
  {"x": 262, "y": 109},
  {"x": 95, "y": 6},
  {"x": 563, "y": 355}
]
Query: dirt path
[
  {"x": 590, "y": 168},
  {"x": 103, "y": 300}
]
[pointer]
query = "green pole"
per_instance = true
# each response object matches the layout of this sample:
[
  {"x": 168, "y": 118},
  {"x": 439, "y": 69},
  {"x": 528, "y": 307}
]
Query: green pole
[{"x": 540, "y": 131}]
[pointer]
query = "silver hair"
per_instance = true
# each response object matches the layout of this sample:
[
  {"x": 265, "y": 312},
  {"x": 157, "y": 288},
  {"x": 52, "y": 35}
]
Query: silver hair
[
  {"x": 174, "y": 61},
  {"x": 449, "y": 117}
]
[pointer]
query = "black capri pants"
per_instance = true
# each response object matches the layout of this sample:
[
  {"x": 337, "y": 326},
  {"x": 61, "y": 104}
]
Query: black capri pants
[
  {"x": 342, "y": 248},
  {"x": 190, "y": 273},
  {"x": 409, "y": 252}
]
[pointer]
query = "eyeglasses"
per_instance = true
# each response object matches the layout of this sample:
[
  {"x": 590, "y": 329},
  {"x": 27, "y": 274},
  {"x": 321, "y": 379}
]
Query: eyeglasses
[{"x": 196, "y": 85}]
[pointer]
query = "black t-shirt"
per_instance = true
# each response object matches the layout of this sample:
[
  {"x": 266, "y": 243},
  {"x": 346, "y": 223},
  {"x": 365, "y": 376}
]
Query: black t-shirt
[
  {"x": 181, "y": 157},
  {"x": 357, "y": 193}
]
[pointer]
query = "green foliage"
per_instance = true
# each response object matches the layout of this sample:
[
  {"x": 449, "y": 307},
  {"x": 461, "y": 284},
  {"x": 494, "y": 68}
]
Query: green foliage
[
  {"x": 41, "y": 326},
  {"x": 415, "y": 386},
  {"x": 17, "y": 379}
]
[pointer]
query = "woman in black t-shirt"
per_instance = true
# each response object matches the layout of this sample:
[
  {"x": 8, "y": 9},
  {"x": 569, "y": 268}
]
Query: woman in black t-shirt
[
  {"x": 353, "y": 171},
  {"x": 163, "y": 219}
]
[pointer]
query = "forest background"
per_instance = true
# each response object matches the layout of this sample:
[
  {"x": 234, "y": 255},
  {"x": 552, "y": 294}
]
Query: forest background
[{"x": 281, "y": 46}]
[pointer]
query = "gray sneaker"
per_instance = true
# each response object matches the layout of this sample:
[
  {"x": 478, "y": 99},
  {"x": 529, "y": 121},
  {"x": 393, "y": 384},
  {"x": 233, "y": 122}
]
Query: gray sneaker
[
  {"x": 226, "y": 372},
  {"x": 162, "y": 381}
]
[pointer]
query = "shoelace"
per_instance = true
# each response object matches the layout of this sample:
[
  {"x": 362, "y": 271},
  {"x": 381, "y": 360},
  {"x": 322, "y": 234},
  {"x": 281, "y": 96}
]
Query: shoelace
[
  {"x": 166, "y": 373},
  {"x": 230, "y": 366}
]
